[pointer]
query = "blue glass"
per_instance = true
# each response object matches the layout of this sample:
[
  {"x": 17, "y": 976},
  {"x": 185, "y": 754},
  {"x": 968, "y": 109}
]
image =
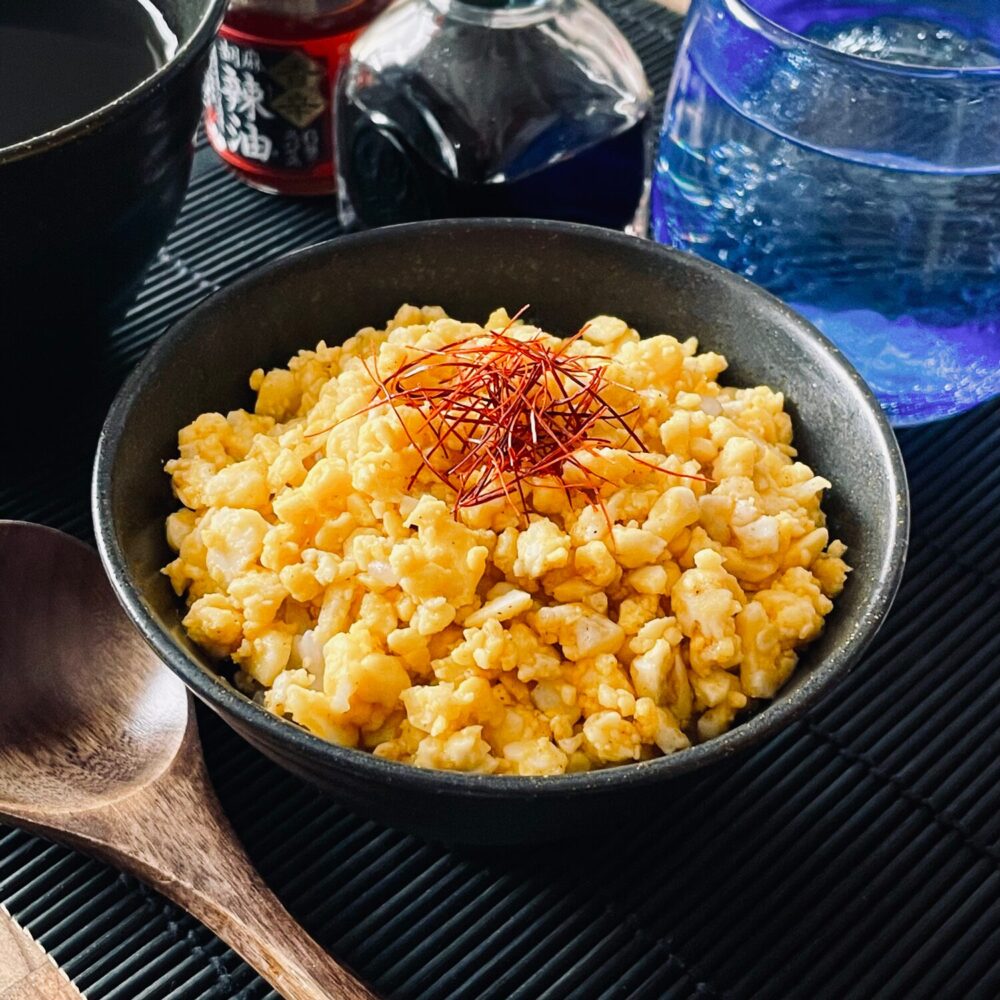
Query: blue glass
[{"x": 845, "y": 154}]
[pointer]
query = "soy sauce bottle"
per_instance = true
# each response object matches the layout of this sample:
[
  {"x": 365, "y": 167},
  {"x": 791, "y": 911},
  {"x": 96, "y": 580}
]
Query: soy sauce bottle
[{"x": 526, "y": 108}]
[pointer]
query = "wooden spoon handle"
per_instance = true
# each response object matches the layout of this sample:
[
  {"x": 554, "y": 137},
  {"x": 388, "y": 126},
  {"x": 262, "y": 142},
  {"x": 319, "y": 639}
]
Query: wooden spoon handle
[
  {"x": 190, "y": 854},
  {"x": 255, "y": 925},
  {"x": 194, "y": 857},
  {"x": 173, "y": 834}
]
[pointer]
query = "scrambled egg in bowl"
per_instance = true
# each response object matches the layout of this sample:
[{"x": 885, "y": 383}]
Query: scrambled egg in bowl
[{"x": 532, "y": 586}]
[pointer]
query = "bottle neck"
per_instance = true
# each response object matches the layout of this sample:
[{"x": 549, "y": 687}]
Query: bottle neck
[
  {"x": 499, "y": 13},
  {"x": 298, "y": 9},
  {"x": 504, "y": 4},
  {"x": 288, "y": 19}
]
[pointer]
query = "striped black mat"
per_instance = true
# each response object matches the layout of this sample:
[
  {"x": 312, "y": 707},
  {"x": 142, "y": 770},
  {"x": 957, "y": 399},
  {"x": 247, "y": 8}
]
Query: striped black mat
[{"x": 855, "y": 856}]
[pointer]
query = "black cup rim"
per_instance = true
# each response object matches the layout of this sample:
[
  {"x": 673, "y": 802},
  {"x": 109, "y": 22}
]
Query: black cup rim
[
  {"x": 188, "y": 50},
  {"x": 245, "y": 714}
]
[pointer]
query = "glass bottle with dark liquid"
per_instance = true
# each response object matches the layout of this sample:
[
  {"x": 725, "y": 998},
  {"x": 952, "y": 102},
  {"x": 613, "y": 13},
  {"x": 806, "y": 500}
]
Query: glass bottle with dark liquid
[{"x": 452, "y": 108}]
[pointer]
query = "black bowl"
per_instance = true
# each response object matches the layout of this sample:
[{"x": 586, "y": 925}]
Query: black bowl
[
  {"x": 568, "y": 273},
  {"x": 85, "y": 206}
]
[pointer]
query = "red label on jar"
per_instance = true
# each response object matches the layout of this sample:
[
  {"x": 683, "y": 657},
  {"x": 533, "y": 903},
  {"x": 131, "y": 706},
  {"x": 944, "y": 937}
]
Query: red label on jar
[{"x": 267, "y": 105}]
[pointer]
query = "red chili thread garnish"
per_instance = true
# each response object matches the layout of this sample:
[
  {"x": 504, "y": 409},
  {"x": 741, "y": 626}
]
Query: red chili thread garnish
[{"x": 502, "y": 413}]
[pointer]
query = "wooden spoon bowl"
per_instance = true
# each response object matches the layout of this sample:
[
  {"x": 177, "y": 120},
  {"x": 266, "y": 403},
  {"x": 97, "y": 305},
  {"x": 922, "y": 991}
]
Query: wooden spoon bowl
[
  {"x": 99, "y": 748},
  {"x": 80, "y": 724}
]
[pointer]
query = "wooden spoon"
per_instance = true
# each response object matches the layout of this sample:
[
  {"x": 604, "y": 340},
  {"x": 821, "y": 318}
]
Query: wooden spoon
[{"x": 99, "y": 748}]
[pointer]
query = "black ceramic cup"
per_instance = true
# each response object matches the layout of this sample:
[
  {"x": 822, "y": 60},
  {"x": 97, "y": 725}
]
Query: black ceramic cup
[
  {"x": 568, "y": 274},
  {"x": 85, "y": 207}
]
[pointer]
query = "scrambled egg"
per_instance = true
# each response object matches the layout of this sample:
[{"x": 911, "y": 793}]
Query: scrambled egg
[{"x": 572, "y": 635}]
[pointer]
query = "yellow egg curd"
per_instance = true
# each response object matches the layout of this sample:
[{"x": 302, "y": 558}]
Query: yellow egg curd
[{"x": 554, "y": 631}]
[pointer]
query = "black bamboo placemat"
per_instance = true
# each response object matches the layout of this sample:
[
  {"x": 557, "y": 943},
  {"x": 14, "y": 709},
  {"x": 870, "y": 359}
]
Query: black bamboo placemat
[{"x": 855, "y": 856}]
